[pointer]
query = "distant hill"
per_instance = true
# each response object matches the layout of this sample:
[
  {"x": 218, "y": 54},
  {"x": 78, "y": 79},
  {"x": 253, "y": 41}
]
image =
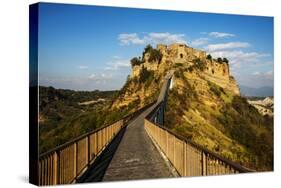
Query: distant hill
[
  {"x": 62, "y": 117},
  {"x": 256, "y": 92}
]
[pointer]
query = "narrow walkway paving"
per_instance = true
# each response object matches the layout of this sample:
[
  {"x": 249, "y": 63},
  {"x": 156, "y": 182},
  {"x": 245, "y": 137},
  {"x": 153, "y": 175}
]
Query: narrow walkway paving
[{"x": 136, "y": 156}]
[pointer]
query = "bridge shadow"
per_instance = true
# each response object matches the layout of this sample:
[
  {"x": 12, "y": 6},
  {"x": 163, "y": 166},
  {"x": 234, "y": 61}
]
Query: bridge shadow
[{"x": 96, "y": 171}]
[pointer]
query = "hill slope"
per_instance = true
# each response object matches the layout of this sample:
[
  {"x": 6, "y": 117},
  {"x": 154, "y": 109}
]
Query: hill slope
[{"x": 63, "y": 114}]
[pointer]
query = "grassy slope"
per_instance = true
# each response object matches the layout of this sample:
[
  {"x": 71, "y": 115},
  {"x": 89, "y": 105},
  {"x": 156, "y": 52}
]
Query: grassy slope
[{"x": 214, "y": 118}]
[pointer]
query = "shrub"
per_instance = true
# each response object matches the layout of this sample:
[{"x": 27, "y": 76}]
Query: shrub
[
  {"x": 198, "y": 64},
  {"x": 225, "y": 60},
  {"x": 136, "y": 61},
  {"x": 209, "y": 57},
  {"x": 145, "y": 75},
  {"x": 178, "y": 65},
  {"x": 215, "y": 88},
  {"x": 179, "y": 74},
  {"x": 147, "y": 49},
  {"x": 190, "y": 69},
  {"x": 154, "y": 54},
  {"x": 219, "y": 60}
]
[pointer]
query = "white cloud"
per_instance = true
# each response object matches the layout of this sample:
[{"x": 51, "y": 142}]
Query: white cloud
[
  {"x": 101, "y": 77},
  {"x": 118, "y": 64},
  {"x": 129, "y": 38},
  {"x": 92, "y": 76},
  {"x": 264, "y": 75},
  {"x": 238, "y": 56},
  {"x": 229, "y": 45},
  {"x": 150, "y": 38},
  {"x": 165, "y": 38},
  {"x": 106, "y": 76},
  {"x": 220, "y": 34},
  {"x": 199, "y": 42},
  {"x": 83, "y": 67}
]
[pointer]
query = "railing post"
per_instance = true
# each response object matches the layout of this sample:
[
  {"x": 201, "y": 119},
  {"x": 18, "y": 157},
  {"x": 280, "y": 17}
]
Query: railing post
[
  {"x": 55, "y": 169},
  {"x": 75, "y": 159},
  {"x": 204, "y": 164},
  {"x": 174, "y": 154},
  {"x": 88, "y": 149},
  {"x": 184, "y": 159}
]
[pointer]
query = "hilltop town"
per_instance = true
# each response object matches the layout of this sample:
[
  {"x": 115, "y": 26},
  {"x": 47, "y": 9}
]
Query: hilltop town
[
  {"x": 216, "y": 70},
  {"x": 163, "y": 58}
]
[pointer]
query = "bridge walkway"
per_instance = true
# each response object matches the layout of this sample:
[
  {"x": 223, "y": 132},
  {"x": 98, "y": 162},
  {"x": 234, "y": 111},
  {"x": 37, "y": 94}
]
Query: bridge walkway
[
  {"x": 136, "y": 156},
  {"x": 133, "y": 156}
]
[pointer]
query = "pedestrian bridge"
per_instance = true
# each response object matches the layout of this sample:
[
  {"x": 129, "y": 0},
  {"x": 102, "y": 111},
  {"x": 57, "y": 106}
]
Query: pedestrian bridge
[{"x": 135, "y": 147}]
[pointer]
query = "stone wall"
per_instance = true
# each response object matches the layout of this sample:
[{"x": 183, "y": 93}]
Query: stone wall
[{"x": 217, "y": 69}]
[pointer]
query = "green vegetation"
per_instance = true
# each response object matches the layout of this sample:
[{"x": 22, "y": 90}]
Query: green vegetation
[
  {"x": 209, "y": 57},
  {"x": 222, "y": 60},
  {"x": 249, "y": 128},
  {"x": 219, "y": 60},
  {"x": 154, "y": 54},
  {"x": 136, "y": 61},
  {"x": 179, "y": 74},
  {"x": 176, "y": 65},
  {"x": 147, "y": 49},
  {"x": 222, "y": 122},
  {"x": 217, "y": 90},
  {"x": 197, "y": 64},
  {"x": 225, "y": 60},
  {"x": 61, "y": 118},
  {"x": 145, "y": 75}
]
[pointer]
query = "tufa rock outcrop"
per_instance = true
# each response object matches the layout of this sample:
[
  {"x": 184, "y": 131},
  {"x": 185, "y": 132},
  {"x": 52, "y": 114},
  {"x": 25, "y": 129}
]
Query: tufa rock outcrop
[{"x": 215, "y": 70}]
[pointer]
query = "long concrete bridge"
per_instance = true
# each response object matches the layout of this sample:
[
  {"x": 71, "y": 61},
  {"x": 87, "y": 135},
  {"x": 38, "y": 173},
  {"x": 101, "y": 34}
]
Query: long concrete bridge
[{"x": 135, "y": 147}]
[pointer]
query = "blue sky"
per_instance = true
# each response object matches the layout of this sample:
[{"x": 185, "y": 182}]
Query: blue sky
[{"x": 90, "y": 47}]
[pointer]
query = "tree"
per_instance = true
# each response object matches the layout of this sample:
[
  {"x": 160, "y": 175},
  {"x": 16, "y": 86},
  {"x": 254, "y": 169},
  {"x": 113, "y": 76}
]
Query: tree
[
  {"x": 155, "y": 55},
  {"x": 219, "y": 60},
  {"x": 147, "y": 49},
  {"x": 136, "y": 61},
  {"x": 225, "y": 60},
  {"x": 209, "y": 57},
  {"x": 145, "y": 75}
]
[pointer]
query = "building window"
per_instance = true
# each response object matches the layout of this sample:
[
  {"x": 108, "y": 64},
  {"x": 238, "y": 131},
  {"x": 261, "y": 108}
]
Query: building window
[
  {"x": 213, "y": 71},
  {"x": 181, "y": 55}
]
